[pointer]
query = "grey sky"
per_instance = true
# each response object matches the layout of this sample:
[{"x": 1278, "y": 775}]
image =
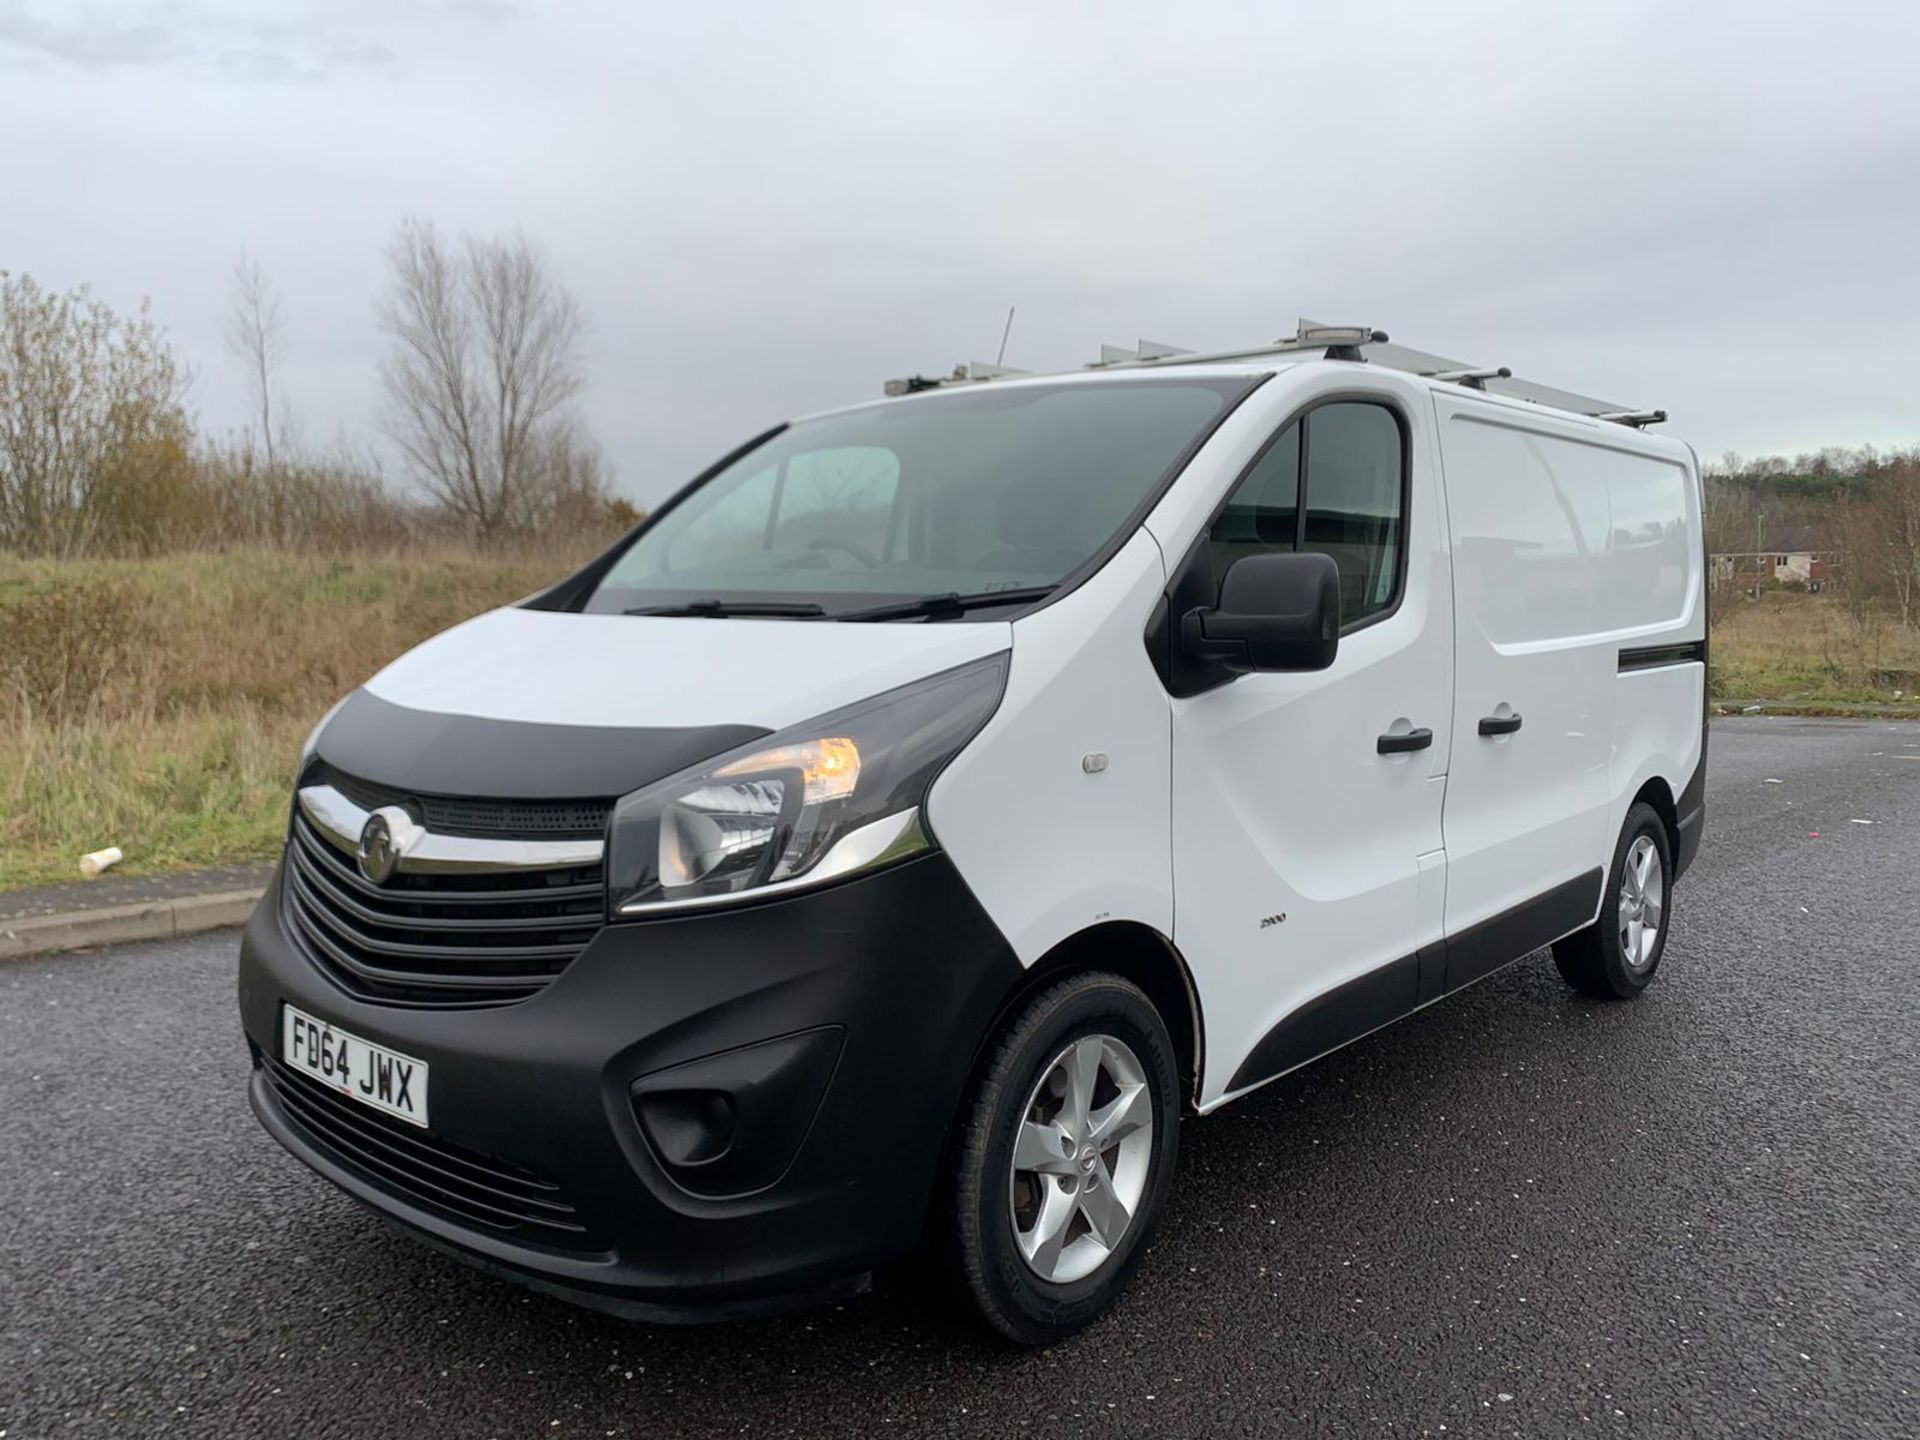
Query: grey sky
[{"x": 1707, "y": 207}]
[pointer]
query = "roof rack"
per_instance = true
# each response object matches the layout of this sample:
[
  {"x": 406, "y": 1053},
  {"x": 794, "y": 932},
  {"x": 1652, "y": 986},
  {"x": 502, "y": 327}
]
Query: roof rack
[{"x": 1360, "y": 344}]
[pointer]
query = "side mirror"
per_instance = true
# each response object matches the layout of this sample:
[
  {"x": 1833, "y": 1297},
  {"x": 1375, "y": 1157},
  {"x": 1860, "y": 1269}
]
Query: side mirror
[{"x": 1276, "y": 612}]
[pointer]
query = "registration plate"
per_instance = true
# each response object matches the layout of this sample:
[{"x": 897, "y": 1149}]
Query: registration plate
[{"x": 369, "y": 1073}]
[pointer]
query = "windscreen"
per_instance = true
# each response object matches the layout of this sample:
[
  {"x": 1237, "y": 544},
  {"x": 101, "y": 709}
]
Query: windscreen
[{"x": 965, "y": 492}]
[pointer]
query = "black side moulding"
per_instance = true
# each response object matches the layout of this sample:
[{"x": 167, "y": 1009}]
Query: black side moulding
[{"x": 1396, "y": 989}]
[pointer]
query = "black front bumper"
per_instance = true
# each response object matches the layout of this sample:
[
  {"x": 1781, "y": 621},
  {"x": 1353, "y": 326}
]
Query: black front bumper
[{"x": 878, "y": 993}]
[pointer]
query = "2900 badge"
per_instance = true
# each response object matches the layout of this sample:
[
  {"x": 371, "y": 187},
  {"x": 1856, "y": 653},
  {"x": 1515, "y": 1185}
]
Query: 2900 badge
[{"x": 369, "y": 1073}]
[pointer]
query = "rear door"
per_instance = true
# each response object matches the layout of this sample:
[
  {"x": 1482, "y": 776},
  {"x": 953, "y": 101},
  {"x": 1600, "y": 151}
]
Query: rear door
[
  {"x": 1527, "y": 796},
  {"x": 1307, "y": 864}
]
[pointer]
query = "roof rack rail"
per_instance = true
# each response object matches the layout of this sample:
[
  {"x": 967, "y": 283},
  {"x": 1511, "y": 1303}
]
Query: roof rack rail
[
  {"x": 1145, "y": 350},
  {"x": 1355, "y": 343},
  {"x": 1472, "y": 379}
]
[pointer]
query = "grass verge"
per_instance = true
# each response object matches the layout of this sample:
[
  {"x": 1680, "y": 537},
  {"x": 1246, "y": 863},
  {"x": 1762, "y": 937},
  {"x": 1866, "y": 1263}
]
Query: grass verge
[
  {"x": 159, "y": 705},
  {"x": 1808, "y": 651}
]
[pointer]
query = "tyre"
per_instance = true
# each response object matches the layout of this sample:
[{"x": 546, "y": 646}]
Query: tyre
[
  {"x": 1065, "y": 1154},
  {"x": 1615, "y": 958}
]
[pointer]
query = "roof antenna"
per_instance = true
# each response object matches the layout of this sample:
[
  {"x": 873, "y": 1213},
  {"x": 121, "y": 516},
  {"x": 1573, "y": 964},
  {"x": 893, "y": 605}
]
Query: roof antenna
[{"x": 1001, "y": 358}]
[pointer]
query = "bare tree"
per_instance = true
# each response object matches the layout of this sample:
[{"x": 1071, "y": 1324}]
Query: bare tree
[
  {"x": 483, "y": 372},
  {"x": 1896, "y": 504},
  {"x": 1877, "y": 525},
  {"x": 255, "y": 335},
  {"x": 1729, "y": 510}
]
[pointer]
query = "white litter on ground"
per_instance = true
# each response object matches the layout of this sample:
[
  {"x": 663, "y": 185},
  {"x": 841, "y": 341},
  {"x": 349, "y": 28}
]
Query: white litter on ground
[{"x": 92, "y": 865}]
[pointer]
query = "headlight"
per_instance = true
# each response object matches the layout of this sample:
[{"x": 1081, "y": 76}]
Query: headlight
[{"x": 837, "y": 795}]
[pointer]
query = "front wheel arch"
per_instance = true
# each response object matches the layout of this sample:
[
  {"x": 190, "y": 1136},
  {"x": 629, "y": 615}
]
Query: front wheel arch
[
  {"x": 1134, "y": 952},
  {"x": 1137, "y": 953},
  {"x": 1002, "y": 1135}
]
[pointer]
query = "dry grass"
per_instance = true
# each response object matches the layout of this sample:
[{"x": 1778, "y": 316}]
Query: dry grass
[
  {"x": 159, "y": 705},
  {"x": 1807, "y": 649}
]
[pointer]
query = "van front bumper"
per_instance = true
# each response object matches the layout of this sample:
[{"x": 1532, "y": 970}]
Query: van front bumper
[{"x": 732, "y": 1108}]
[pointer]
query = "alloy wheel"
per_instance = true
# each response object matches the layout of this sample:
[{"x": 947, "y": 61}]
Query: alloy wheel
[
  {"x": 1643, "y": 888},
  {"x": 1081, "y": 1158}
]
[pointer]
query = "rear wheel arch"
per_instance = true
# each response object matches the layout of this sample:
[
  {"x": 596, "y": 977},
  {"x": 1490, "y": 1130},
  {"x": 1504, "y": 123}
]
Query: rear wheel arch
[
  {"x": 1658, "y": 794},
  {"x": 1615, "y": 957}
]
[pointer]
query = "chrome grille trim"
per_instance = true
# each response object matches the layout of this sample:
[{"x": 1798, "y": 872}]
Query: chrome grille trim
[
  {"x": 513, "y": 818},
  {"x": 340, "y": 821}
]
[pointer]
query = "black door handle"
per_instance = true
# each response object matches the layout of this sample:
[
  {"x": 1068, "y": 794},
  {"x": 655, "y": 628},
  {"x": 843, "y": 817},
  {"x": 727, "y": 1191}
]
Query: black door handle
[
  {"x": 1401, "y": 744},
  {"x": 1499, "y": 724}
]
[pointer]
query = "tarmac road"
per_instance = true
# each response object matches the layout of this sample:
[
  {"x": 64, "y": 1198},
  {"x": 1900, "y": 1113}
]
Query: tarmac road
[{"x": 1518, "y": 1213}]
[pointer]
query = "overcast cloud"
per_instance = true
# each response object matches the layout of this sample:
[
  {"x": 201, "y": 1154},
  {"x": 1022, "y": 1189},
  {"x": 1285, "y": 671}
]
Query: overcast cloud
[{"x": 1710, "y": 208}]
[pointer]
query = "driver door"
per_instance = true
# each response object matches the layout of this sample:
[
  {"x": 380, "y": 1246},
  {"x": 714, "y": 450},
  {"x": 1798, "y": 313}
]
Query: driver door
[{"x": 1308, "y": 870}]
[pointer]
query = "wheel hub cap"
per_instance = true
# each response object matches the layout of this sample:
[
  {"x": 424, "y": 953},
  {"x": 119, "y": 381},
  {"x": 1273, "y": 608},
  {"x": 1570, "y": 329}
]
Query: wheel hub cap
[
  {"x": 1643, "y": 888},
  {"x": 1081, "y": 1158}
]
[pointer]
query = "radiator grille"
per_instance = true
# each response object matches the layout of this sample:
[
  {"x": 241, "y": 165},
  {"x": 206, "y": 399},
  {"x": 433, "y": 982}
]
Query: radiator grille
[{"x": 474, "y": 938}]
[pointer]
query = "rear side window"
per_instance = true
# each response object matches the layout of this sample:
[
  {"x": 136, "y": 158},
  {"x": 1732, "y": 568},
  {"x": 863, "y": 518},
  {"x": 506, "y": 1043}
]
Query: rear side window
[{"x": 1331, "y": 482}]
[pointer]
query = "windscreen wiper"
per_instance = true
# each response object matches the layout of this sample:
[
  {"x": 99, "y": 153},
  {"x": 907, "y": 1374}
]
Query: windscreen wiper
[
  {"x": 936, "y": 607},
  {"x": 726, "y": 609}
]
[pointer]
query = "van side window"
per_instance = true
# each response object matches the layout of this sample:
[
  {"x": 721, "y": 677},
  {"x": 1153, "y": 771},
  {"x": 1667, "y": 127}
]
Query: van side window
[
  {"x": 1263, "y": 513},
  {"x": 1349, "y": 507},
  {"x": 1353, "y": 503}
]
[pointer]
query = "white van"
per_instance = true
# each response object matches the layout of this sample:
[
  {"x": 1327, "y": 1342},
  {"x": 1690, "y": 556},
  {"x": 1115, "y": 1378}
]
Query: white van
[{"x": 937, "y": 800}]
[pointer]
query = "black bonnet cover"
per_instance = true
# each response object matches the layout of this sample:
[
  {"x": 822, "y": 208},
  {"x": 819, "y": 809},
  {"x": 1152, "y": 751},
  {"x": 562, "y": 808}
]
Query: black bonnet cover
[{"x": 464, "y": 755}]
